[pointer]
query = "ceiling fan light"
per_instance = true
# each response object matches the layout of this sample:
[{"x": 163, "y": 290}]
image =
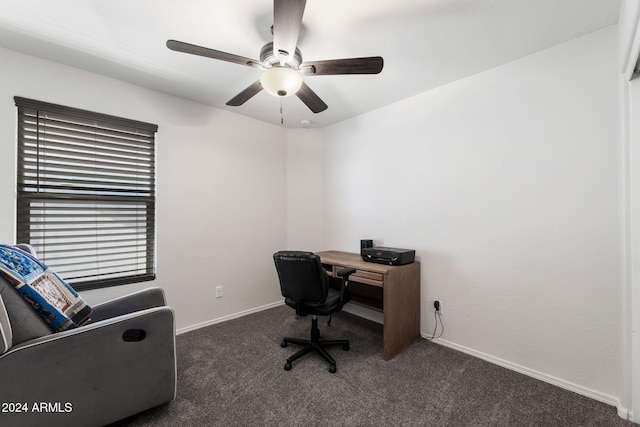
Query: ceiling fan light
[{"x": 281, "y": 81}]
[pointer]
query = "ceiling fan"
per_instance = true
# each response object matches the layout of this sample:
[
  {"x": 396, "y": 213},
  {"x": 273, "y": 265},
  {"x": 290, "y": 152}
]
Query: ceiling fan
[{"x": 281, "y": 61}]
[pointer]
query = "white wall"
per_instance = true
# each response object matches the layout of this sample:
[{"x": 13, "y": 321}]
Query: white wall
[
  {"x": 629, "y": 44},
  {"x": 507, "y": 185},
  {"x": 633, "y": 295},
  {"x": 221, "y": 202},
  {"x": 304, "y": 189}
]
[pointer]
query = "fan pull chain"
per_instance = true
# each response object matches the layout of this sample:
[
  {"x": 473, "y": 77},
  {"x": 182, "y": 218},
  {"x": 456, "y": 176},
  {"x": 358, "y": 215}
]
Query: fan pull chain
[{"x": 281, "y": 115}]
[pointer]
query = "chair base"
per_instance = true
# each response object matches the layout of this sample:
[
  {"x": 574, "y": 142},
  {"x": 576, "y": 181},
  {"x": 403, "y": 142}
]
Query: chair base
[{"x": 314, "y": 344}]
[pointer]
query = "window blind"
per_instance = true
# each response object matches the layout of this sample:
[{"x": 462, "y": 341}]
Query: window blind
[{"x": 86, "y": 193}]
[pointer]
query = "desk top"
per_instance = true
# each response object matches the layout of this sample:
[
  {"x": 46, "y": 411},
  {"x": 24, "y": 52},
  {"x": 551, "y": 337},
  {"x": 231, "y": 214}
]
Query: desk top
[{"x": 350, "y": 259}]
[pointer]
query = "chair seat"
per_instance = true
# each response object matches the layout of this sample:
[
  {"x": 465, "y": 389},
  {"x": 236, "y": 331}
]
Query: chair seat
[{"x": 331, "y": 305}]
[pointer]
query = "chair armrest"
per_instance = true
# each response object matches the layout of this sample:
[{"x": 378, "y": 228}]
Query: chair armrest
[
  {"x": 92, "y": 371},
  {"x": 146, "y": 298},
  {"x": 344, "y": 273}
]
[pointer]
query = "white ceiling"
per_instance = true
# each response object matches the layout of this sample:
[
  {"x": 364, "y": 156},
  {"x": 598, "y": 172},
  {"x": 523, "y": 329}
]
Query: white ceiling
[{"x": 424, "y": 43}]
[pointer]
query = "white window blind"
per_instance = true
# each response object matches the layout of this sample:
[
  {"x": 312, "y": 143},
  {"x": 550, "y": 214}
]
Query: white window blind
[{"x": 86, "y": 193}]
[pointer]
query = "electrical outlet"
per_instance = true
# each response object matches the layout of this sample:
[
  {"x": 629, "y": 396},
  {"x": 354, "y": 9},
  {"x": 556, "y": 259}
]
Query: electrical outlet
[
  {"x": 219, "y": 292},
  {"x": 438, "y": 306}
]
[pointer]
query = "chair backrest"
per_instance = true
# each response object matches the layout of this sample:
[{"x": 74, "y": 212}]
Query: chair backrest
[
  {"x": 302, "y": 277},
  {"x": 27, "y": 248},
  {"x": 6, "y": 334},
  {"x": 21, "y": 323}
]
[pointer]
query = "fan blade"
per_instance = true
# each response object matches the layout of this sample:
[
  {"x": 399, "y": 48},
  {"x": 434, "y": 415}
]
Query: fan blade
[
  {"x": 368, "y": 65},
  {"x": 212, "y": 53},
  {"x": 246, "y": 94},
  {"x": 287, "y": 21},
  {"x": 310, "y": 99}
]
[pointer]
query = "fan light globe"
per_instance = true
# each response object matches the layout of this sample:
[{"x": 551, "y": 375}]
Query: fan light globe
[{"x": 281, "y": 81}]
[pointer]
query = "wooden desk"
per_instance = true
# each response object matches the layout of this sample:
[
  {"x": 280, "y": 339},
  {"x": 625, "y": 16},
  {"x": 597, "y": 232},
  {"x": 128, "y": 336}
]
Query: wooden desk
[{"x": 392, "y": 290}]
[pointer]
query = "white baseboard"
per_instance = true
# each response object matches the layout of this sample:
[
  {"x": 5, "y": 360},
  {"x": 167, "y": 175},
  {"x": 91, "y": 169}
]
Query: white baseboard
[
  {"x": 349, "y": 308},
  {"x": 609, "y": 400},
  {"x": 625, "y": 414},
  {"x": 228, "y": 317}
]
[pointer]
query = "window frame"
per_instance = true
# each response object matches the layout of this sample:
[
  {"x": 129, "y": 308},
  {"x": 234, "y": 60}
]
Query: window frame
[{"x": 121, "y": 181}]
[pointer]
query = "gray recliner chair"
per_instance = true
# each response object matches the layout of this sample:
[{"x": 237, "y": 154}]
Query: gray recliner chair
[{"x": 121, "y": 363}]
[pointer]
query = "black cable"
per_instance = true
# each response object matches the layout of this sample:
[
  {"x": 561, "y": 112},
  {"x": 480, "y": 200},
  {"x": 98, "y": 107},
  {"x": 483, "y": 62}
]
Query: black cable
[{"x": 436, "y": 315}]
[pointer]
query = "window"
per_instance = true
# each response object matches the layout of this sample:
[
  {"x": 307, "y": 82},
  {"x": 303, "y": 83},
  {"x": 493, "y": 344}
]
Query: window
[{"x": 86, "y": 193}]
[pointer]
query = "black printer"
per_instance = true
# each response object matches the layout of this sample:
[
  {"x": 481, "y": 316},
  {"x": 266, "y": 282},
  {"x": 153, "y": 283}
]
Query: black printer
[{"x": 390, "y": 256}]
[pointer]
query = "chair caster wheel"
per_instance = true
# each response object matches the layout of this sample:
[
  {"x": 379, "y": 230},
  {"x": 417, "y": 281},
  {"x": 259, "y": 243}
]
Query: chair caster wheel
[
  {"x": 332, "y": 369},
  {"x": 283, "y": 344},
  {"x": 287, "y": 366},
  {"x": 345, "y": 347}
]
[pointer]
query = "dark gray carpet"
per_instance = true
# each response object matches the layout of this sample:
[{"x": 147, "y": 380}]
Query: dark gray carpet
[{"x": 231, "y": 374}]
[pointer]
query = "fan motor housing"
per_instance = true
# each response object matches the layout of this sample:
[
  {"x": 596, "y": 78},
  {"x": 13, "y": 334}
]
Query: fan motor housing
[{"x": 269, "y": 59}]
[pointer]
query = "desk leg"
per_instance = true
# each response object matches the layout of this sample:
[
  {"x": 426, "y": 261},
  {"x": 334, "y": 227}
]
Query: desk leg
[{"x": 401, "y": 309}]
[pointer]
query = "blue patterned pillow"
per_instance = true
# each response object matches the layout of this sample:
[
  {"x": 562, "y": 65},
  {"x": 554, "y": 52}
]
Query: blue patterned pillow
[{"x": 52, "y": 298}]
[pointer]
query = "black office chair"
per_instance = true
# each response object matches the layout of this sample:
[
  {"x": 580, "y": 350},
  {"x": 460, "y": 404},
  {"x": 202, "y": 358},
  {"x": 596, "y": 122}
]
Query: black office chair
[{"x": 305, "y": 286}]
